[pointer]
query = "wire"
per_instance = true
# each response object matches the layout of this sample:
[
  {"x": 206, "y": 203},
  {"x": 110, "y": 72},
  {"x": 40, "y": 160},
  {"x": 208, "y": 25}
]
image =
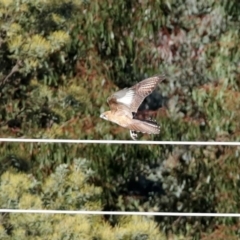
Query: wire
[
  {"x": 83, "y": 141},
  {"x": 177, "y": 214}
]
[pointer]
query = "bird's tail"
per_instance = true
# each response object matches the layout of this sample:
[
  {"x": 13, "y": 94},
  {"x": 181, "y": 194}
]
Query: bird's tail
[{"x": 144, "y": 126}]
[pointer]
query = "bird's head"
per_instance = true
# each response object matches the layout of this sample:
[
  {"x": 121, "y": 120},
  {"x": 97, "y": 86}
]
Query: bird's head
[{"x": 105, "y": 115}]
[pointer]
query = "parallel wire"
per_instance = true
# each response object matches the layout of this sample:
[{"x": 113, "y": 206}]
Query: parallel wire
[
  {"x": 176, "y": 214},
  {"x": 86, "y": 141}
]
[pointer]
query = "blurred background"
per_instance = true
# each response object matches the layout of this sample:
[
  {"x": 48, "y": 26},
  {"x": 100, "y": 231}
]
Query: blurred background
[{"x": 60, "y": 60}]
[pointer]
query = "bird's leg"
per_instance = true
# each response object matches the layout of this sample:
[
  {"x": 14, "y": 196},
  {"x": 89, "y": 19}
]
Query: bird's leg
[{"x": 133, "y": 135}]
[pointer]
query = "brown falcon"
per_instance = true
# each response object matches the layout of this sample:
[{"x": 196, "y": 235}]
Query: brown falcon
[{"x": 125, "y": 103}]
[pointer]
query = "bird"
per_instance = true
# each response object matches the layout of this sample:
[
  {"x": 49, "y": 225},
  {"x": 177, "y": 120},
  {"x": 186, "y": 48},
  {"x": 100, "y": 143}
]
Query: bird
[{"x": 124, "y": 105}]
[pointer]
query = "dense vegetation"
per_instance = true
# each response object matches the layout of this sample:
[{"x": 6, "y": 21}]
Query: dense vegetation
[{"x": 60, "y": 60}]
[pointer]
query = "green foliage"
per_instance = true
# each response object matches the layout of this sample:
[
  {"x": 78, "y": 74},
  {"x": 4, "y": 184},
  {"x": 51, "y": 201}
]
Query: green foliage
[
  {"x": 66, "y": 188},
  {"x": 60, "y": 60}
]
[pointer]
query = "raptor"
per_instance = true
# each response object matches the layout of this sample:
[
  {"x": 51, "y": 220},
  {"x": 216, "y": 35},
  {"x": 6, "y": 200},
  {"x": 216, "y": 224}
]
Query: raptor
[{"x": 124, "y": 105}]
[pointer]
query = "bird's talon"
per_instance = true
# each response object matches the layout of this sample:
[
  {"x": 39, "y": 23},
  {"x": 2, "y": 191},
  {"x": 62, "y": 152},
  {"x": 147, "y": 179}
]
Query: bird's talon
[{"x": 133, "y": 135}]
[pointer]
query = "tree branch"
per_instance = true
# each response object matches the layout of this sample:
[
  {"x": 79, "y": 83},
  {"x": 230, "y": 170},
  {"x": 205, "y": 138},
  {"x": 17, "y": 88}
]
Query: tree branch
[{"x": 14, "y": 69}]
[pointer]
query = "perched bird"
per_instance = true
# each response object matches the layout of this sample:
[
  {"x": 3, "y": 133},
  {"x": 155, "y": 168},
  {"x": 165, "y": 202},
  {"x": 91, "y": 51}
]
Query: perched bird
[{"x": 125, "y": 103}]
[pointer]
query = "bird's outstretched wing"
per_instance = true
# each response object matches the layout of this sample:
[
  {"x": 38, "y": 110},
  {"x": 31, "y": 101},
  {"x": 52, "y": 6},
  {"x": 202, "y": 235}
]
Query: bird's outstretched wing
[{"x": 130, "y": 98}]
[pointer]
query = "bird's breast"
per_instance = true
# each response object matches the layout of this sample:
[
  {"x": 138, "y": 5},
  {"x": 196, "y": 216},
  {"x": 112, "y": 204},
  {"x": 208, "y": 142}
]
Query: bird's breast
[{"x": 120, "y": 119}]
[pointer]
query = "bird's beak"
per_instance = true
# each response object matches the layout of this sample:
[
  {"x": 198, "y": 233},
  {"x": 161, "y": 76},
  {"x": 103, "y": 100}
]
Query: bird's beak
[{"x": 102, "y": 116}]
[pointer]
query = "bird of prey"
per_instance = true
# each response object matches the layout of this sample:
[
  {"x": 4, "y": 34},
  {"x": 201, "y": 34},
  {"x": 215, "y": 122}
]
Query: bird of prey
[{"x": 125, "y": 103}]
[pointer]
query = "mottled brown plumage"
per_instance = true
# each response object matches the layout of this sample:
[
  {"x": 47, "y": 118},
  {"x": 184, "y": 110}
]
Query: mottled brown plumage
[{"x": 124, "y": 103}]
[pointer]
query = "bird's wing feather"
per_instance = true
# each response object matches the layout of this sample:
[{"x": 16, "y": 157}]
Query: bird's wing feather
[
  {"x": 143, "y": 89},
  {"x": 115, "y": 106},
  {"x": 131, "y": 98}
]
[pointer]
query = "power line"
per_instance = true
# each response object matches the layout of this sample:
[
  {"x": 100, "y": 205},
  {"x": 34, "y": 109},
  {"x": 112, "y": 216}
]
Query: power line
[
  {"x": 86, "y": 141},
  {"x": 83, "y": 141},
  {"x": 176, "y": 214}
]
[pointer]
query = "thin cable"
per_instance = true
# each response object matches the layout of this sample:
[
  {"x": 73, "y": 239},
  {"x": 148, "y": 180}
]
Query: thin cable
[
  {"x": 121, "y": 142},
  {"x": 177, "y": 214},
  {"x": 83, "y": 141}
]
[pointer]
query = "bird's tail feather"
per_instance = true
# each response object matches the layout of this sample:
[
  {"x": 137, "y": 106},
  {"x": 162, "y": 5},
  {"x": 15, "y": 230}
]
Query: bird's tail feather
[{"x": 145, "y": 126}]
